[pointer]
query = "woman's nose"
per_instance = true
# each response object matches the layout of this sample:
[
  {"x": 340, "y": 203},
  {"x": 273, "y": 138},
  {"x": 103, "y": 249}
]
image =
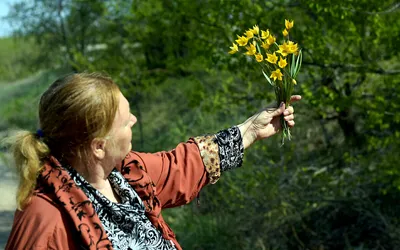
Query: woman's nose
[{"x": 134, "y": 119}]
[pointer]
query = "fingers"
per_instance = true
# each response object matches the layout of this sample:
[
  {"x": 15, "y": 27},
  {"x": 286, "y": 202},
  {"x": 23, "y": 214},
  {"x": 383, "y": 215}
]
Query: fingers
[
  {"x": 291, "y": 123},
  {"x": 279, "y": 110},
  {"x": 288, "y": 111},
  {"x": 289, "y": 117},
  {"x": 295, "y": 98}
]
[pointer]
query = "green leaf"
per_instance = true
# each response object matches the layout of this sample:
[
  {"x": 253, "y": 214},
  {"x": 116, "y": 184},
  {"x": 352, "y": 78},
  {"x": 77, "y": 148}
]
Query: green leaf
[
  {"x": 258, "y": 48},
  {"x": 298, "y": 62},
  {"x": 269, "y": 80},
  {"x": 293, "y": 66}
]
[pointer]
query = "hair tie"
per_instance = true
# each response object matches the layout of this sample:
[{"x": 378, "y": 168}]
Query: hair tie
[{"x": 39, "y": 133}]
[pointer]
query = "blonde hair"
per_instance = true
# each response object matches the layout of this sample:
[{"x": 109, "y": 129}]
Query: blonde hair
[{"x": 73, "y": 111}]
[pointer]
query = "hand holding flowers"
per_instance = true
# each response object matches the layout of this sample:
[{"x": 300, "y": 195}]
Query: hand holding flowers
[
  {"x": 267, "y": 122},
  {"x": 280, "y": 63}
]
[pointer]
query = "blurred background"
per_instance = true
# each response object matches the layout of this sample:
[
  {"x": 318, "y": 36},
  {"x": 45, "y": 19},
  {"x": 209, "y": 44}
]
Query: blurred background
[{"x": 336, "y": 185}]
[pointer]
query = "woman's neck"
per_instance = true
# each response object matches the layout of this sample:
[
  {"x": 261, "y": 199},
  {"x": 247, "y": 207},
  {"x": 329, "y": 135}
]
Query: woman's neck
[
  {"x": 96, "y": 173},
  {"x": 97, "y": 176}
]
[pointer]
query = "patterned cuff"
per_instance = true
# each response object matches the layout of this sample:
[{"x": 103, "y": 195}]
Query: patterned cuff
[
  {"x": 221, "y": 152},
  {"x": 231, "y": 150},
  {"x": 209, "y": 152}
]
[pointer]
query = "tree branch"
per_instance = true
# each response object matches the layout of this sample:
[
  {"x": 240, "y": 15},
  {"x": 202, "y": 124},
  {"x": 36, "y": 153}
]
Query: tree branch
[
  {"x": 387, "y": 11},
  {"x": 353, "y": 68},
  {"x": 63, "y": 30}
]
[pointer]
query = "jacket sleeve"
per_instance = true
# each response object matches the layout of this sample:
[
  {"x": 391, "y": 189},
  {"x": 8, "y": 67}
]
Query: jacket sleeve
[
  {"x": 178, "y": 175},
  {"x": 40, "y": 226}
]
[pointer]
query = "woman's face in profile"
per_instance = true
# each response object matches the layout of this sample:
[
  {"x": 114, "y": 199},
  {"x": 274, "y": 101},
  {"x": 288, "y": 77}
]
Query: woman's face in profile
[{"x": 121, "y": 131}]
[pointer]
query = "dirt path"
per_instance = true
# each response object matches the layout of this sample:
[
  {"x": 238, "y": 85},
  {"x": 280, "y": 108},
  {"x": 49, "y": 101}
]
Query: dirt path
[
  {"x": 6, "y": 219},
  {"x": 8, "y": 184},
  {"x": 8, "y": 188}
]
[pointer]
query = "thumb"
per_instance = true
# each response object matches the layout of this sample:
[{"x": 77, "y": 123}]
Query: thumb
[{"x": 279, "y": 111}]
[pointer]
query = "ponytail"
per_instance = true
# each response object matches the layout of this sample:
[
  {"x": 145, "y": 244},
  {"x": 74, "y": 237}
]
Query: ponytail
[{"x": 28, "y": 151}]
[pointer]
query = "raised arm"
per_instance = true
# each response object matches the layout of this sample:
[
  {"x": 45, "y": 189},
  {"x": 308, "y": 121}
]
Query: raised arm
[{"x": 177, "y": 176}]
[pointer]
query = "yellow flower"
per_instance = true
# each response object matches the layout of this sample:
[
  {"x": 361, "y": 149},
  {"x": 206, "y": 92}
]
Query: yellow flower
[
  {"x": 255, "y": 30},
  {"x": 282, "y": 63},
  {"x": 292, "y": 47},
  {"x": 251, "y": 50},
  {"x": 294, "y": 81},
  {"x": 276, "y": 74},
  {"x": 259, "y": 57},
  {"x": 272, "y": 58},
  {"x": 265, "y": 45},
  {"x": 289, "y": 24},
  {"x": 283, "y": 49},
  {"x": 242, "y": 40},
  {"x": 234, "y": 49},
  {"x": 285, "y": 32},
  {"x": 249, "y": 34},
  {"x": 271, "y": 39},
  {"x": 264, "y": 34}
]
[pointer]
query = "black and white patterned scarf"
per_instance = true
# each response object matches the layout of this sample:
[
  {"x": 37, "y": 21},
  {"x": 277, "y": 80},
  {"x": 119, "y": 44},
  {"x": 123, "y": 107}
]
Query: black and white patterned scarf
[{"x": 125, "y": 223}]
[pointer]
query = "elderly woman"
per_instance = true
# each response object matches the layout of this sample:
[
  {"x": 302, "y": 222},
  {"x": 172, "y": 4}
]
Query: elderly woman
[{"x": 81, "y": 186}]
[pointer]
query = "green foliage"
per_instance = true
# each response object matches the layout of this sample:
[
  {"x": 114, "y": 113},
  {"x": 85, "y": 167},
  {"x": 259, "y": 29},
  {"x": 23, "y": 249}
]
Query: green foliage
[
  {"x": 19, "y": 100},
  {"x": 332, "y": 187},
  {"x": 14, "y": 56}
]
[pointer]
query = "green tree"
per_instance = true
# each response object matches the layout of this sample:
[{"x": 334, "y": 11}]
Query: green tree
[
  {"x": 332, "y": 187},
  {"x": 60, "y": 28}
]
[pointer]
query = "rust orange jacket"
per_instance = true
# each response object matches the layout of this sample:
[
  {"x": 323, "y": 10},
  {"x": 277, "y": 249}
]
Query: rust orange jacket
[{"x": 60, "y": 216}]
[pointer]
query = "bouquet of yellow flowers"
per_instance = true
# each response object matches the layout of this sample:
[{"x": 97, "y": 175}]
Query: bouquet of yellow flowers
[{"x": 280, "y": 63}]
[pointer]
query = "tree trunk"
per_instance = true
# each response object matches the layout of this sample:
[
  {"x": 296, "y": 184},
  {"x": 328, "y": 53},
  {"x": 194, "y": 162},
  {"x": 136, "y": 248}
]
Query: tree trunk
[{"x": 348, "y": 126}]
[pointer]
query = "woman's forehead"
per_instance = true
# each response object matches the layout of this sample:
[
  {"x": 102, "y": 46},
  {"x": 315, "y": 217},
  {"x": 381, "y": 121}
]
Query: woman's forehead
[
  {"x": 123, "y": 111},
  {"x": 123, "y": 103}
]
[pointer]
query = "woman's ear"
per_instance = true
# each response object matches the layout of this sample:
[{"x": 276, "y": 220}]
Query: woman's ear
[{"x": 98, "y": 147}]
